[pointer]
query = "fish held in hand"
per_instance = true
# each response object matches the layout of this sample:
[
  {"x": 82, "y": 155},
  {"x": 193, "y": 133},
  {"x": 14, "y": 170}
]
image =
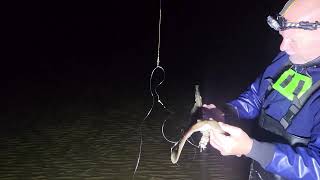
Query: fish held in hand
[{"x": 203, "y": 126}]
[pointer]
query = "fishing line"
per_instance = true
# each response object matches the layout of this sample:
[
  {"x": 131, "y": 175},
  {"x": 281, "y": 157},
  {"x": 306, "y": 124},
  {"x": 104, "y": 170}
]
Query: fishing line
[
  {"x": 154, "y": 95},
  {"x": 175, "y": 142},
  {"x": 150, "y": 110},
  {"x": 192, "y": 143},
  {"x": 164, "y": 136}
]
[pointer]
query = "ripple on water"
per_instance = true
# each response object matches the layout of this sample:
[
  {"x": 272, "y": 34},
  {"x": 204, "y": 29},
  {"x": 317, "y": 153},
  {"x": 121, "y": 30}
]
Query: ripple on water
[{"x": 101, "y": 147}]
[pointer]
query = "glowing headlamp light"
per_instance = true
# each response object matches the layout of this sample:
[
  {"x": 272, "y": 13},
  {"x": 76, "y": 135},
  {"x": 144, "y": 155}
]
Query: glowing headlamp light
[{"x": 280, "y": 24}]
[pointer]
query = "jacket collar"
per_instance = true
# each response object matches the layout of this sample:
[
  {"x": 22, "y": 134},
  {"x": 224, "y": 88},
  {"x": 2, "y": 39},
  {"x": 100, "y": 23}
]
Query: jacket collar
[{"x": 315, "y": 62}]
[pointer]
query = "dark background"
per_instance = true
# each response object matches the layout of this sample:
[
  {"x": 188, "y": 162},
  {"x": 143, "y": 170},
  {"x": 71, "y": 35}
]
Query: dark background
[
  {"x": 82, "y": 53},
  {"x": 73, "y": 73}
]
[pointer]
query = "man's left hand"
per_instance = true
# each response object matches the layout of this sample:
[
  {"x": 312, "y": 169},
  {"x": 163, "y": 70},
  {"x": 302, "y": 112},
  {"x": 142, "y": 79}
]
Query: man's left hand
[{"x": 237, "y": 142}]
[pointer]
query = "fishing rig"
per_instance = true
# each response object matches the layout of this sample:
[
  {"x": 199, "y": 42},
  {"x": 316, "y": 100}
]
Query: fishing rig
[
  {"x": 156, "y": 98},
  {"x": 155, "y": 95}
]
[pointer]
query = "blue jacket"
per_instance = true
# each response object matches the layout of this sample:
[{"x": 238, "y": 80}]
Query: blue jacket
[{"x": 283, "y": 159}]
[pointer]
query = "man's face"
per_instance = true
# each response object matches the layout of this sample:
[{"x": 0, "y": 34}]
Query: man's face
[{"x": 301, "y": 45}]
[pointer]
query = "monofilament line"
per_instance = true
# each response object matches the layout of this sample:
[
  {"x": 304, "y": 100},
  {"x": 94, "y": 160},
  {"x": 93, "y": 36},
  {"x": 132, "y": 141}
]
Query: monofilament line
[{"x": 153, "y": 96}]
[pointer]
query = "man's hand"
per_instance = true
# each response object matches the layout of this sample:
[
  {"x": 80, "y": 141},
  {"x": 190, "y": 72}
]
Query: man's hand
[
  {"x": 210, "y": 111},
  {"x": 236, "y": 143},
  {"x": 209, "y": 106}
]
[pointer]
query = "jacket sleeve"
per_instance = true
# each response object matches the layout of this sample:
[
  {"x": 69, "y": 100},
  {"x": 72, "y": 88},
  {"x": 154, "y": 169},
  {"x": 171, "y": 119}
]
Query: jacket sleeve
[
  {"x": 297, "y": 163},
  {"x": 248, "y": 104},
  {"x": 290, "y": 162}
]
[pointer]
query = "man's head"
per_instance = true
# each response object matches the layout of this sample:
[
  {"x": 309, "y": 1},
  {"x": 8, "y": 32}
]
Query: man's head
[{"x": 302, "y": 45}]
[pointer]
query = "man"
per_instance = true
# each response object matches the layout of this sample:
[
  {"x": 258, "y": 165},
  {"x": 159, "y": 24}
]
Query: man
[{"x": 286, "y": 100}]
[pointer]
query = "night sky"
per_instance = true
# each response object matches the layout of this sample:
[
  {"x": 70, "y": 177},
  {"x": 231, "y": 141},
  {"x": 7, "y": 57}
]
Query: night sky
[{"x": 67, "y": 51}]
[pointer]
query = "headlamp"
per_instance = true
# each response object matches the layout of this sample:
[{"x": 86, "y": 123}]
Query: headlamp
[{"x": 279, "y": 23}]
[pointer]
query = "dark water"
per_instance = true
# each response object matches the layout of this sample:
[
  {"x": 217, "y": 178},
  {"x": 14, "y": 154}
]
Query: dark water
[{"x": 99, "y": 139}]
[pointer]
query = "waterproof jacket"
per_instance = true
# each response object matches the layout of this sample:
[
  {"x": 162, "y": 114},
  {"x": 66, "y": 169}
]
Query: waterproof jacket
[{"x": 290, "y": 162}]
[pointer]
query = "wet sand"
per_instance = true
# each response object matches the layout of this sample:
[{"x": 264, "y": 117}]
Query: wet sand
[{"x": 101, "y": 141}]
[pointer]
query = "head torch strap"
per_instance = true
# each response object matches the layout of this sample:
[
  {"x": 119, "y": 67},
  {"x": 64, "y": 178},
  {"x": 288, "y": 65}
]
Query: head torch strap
[
  {"x": 280, "y": 24},
  {"x": 309, "y": 26}
]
